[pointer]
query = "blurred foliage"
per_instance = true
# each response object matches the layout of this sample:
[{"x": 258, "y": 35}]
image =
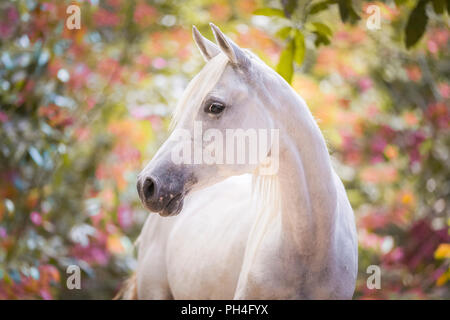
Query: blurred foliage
[
  {"x": 81, "y": 111},
  {"x": 298, "y": 13}
]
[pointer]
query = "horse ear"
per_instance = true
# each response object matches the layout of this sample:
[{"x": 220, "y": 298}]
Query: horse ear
[
  {"x": 207, "y": 48},
  {"x": 235, "y": 54}
]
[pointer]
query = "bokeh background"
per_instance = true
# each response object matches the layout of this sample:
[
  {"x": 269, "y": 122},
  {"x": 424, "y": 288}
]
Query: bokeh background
[{"x": 81, "y": 112}]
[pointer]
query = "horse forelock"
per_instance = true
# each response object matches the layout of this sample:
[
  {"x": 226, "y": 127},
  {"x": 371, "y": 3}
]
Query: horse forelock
[{"x": 199, "y": 87}]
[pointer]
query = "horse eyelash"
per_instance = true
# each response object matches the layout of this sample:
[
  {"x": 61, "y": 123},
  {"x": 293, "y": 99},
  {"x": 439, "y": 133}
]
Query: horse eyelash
[{"x": 209, "y": 102}]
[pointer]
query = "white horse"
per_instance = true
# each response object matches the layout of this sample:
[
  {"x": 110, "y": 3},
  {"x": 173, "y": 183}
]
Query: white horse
[{"x": 239, "y": 234}]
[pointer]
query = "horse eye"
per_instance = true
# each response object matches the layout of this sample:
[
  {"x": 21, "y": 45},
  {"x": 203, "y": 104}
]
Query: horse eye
[{"x": 215, "y": 108}]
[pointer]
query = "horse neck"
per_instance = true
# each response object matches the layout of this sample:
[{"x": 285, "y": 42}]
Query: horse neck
[{"x": 307, "y": 191}]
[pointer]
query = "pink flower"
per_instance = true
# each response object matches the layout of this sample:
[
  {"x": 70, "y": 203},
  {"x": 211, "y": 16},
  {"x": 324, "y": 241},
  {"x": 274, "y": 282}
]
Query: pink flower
[
  {"x": 3, "y": 117},
  {"x": 90, "y": 102},
  {"x": 105, "y": 18},
  {"x": 36, "y": 218},
  {"x": 414, "y": 155},
  {"x": 365, "y": 84},
  {"x": 141, "y": 112},
  {"x": 114, "y": 3},
  {"x": 99, "y": 256},
  {"x": 125, "y": 216},
  {"x": 80, "y": 76},
  {"x": 394, "y": 256},
  {"x": 3, "y": 233},
  {"x": 156, "y": 122},
  {"x": 376, "y": 159},
  {"x": 439, "y": 113},
  {"x": 7, "y": 26},
  {"x": 444, "y": 90},
  {"x": 378, "y": 144},
  {"x": 13, "y": 15},
  {"x": 46, "y": 6},
  {"x": 143, "y": 60},
  {"x": 159, "y": 63},
  {"x": 432, "y": 46},
  {"x": 45, "y": 294},
  {"x": 144, "y": 14}
]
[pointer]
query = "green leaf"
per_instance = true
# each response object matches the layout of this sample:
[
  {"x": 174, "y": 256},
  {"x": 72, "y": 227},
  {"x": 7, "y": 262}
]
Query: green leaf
[
  {"x": 285, "y": 65},
  {"x": 346, "y": 11},
  {"x": 425, "y": 147},
  {"x": 316, "y": 8},
  {"x": 398, "y": 3},
  {"x": 416, "y": 25},
  {"x": 300, "y": 49},
  {"x": 322, "y": 29},
  {"x": 355, "y": 197},
  {"x": 343, "y": 10},
  {"x": 270, "y": 12},
  {"x": 283, "y": 33},
  {"x": 289, "y": 7},
  {"x": 438, "y": 6},
  {"x": 321, "y": 39}
]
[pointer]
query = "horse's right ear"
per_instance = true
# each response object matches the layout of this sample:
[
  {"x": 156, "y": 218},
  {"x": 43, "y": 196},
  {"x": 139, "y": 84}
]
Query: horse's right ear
[
  {"x": 234, "y": 53},
  {"x": 207, "y": 48}
]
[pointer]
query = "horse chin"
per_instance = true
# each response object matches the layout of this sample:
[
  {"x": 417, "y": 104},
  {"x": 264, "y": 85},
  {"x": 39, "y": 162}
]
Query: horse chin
[{"x": 173, "y": 207}]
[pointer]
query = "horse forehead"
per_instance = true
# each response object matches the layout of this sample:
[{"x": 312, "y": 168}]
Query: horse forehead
[{"x": 233, "y": 81}]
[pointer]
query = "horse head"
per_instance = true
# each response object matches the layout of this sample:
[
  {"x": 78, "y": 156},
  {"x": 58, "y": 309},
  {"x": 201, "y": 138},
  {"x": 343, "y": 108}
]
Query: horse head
[{"x": 218, "y": 129}]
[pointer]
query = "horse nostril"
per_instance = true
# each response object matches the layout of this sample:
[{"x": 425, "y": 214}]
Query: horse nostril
[{"x": 149, "y": 188}]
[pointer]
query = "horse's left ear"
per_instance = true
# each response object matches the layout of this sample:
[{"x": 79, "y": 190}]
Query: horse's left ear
[
  {"x": 236, "y": 55},
  {"x": 207, "y": 48}
]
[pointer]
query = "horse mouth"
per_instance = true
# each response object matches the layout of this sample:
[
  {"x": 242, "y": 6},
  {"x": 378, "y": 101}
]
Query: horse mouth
[{"x": 173, "y": 207}]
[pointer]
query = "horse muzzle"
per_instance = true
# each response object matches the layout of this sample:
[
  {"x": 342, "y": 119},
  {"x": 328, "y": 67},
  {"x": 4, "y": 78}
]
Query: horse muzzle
[{"x": 164, "y": 192}]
